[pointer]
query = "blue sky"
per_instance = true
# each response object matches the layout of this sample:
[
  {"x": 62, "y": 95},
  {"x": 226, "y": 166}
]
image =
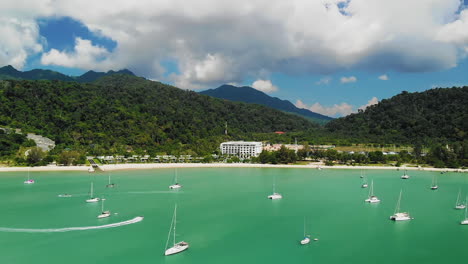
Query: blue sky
[{"x": 330, "y": 56}]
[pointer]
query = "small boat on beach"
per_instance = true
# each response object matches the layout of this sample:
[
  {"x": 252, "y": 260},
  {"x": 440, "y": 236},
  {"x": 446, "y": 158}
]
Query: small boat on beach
[{"x": 179, "y": 246}]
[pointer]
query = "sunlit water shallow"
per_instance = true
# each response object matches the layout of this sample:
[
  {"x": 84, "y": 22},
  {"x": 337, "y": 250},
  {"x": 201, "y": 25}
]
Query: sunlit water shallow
[{"x": 226, "y": 217}]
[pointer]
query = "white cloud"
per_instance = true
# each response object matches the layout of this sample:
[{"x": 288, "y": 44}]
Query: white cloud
[
  {"x": 19, "y": 40},
  {"x": 336, "y": 110},
  {"x": 85, "y": 56},
  {"x": 264, "y": 86},
  {"x": 216, "y": 41},
  {"x": 383, "y": 77},
  {"x": 349, "y": 79},
  {"x": 325, "y": 80},
  {"x": 374, "y": 100}
]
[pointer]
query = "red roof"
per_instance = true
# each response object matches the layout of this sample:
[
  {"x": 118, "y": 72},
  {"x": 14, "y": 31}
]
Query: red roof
[{"x": 280, "y": 132}]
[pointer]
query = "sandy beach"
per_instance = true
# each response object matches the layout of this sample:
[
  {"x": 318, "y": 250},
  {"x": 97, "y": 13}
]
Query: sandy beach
[{"x": 143, "y": 166}]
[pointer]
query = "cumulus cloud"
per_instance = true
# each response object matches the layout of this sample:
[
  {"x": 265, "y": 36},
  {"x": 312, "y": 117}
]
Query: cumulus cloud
[
  {"x": 265, "y": 86},
  {"x": 336, "y": 110},
  {"x": 374, "y": 100},
  {"x": 20, "y": 39},
  {"x": 85, "y": 56},
  {"x": 349, "y": 79},
  {"x": 324, "y": 80},
  {"x": 216, "y": 41},
  {"x": 383, "y": 77}
]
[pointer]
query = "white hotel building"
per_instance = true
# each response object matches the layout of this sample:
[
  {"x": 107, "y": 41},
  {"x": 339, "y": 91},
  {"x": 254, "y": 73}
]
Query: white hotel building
[{"x": 241, "y": 149}]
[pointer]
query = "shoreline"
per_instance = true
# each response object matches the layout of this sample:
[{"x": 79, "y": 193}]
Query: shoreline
[{"x": 145, "y": 166}]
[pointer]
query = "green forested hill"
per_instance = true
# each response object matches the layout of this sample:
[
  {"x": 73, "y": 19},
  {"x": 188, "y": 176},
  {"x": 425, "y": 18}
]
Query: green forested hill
[
  {"x": 436, "y": 115},
  {"x": 10, "y": 73},
  {"x": 122, "y": 112}
]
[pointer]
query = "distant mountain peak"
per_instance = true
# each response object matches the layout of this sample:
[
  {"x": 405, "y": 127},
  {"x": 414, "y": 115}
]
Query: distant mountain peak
[
  {"x": 9, "y": 72},
  {"x": 248, "y": 94}
]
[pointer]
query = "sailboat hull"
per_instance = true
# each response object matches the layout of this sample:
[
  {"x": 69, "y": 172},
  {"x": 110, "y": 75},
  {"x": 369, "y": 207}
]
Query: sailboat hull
[
  {"x": 92, "y": 200},
  {"x": 464, "y": 222},
  {"x": 400, "y": 217},
  {"x": 175, "y": 186},
  {"x": 177, "y": 248},
  {"x": 275, "y": 196},
  {"x": 373, "y": 200},
  {"x": 104, "y": 215},
  {"x": 305, "y": 241}
]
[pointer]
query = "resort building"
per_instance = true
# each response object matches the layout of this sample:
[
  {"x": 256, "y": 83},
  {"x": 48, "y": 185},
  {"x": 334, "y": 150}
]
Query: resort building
[{"x": 241, "y": 149}]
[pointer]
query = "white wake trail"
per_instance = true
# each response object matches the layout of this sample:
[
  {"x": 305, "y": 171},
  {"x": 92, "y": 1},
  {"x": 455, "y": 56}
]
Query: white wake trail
[{"x": 68, "y": 229}]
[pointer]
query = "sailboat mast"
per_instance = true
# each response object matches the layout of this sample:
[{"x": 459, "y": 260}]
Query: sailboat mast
[
  {"x": 175, "y": 223},
  {"x": 371, "y": 191},
  {"x": 109, "y": 178},
  {"x": 102, "y": 205},
  {"x": 397, "y": 209},
  {"x": 304, "y": 227},
  {"x": 458, "y": 197},
  {"x": 170, "y": 229},
  {"x": 91, "y": 194}
]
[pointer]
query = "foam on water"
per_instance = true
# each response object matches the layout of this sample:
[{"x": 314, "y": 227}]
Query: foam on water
[{"x": 68, "y": 229}]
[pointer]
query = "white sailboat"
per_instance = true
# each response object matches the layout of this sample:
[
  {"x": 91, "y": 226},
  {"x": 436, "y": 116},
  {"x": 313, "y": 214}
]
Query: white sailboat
[
  {"x": 176, "y": 185},
  {"x": 465, "y": 221},
  {"x": 372, "y": 198},
  {"x": 400, "y": 216},
  {"x": 460, "y": 204},
  {"x": 275, "y": 195},
  {"x": 29, "y": 180},
  {"x": 364, "y": 181},
  {"x": 110, "y": 184},
  {"x": 179, "y": 246},
  {"x": 306, "y": 239},
  {"x": 92, "y": 199},
  {"x": 434, "y": 185},
  {"x": 405, "y": 175},
  {"x": 103, "y": 214}
]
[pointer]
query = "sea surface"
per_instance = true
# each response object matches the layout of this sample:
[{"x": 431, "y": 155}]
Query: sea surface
[{"x": 226, "y": 217}]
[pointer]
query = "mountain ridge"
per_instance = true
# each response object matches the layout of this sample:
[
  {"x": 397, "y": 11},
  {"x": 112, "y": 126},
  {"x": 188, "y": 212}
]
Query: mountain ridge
[
  {"x": 10, "y": 73},
  {"x": 248, "y": 94}
]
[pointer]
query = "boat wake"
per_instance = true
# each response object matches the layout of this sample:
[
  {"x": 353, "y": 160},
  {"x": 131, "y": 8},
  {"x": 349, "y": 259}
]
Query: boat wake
[{"x": 68, "y": 229}]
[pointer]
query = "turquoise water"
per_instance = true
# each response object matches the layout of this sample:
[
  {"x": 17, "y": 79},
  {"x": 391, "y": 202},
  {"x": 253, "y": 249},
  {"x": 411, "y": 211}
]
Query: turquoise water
[{"x": 226, "y": 217}]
